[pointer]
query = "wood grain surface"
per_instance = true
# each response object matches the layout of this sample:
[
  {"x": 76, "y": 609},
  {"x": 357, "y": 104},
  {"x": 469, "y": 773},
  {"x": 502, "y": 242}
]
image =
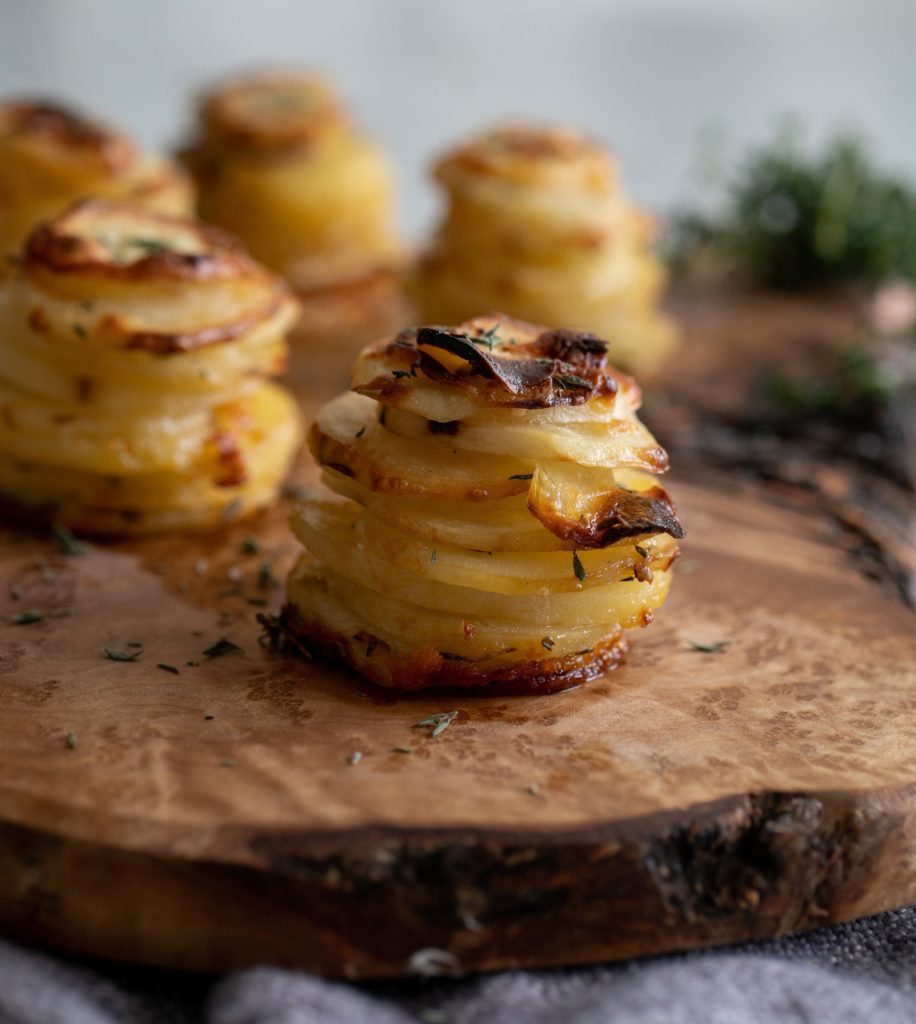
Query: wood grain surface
[{"x": 215, "y": 817}]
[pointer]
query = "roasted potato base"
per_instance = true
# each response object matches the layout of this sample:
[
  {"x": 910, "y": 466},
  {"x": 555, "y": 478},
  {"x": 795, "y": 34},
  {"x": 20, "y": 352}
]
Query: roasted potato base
[
  {"x": 278, "y": 164},
  {"x": 539, "y": 227},
  {"x": 497, "y": 520},
  {"x": 134, "y": 363}
]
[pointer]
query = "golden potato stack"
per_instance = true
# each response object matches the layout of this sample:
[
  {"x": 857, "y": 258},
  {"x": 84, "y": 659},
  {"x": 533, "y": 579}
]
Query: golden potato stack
[
  {"x": 538, "y": 226},
  {"x": 500, "y": 522},
  {"x": 279, "y": 164},
  {"x": 51, "y": 156},
  {"x": 134, "y": 355}
]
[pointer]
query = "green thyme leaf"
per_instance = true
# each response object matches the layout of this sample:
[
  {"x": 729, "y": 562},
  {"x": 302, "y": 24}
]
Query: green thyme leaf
[
  {"x": 26, "y": 618},
  {"x": 266, "y": 578},
  {"x": 570, "y": 382},
  {"x": 66, "y": 543},
  {"x": 251, "y": 546},
  {"x": 220, "y": 648},
  {"x": 578, "y": 567},
  {"x": 113, "y": 655},
  {"x": 437, "y": 724},
  {"x": 168, "y": 668},
  {"x": 71, "y": 741},
  {"x": 710, "y": 648}
]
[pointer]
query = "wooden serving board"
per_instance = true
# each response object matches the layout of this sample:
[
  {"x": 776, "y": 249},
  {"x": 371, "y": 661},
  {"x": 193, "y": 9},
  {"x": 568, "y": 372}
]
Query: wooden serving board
[{"x": 213, "y": 818}]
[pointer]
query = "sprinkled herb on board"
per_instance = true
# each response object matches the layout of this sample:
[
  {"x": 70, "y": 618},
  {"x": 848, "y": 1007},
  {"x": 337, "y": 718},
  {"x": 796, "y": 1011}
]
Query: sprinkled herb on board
[
  {"x": 168, "y": 668},
  {"x": 578, "y": 567},
  {"x": 71, "y": 741},
  {"x": 113, "y": 655},
  {"x": 221, "y": 648},
  {"x": 402, "y": 750},
  {"x": 437, "y": 724},
  {"x": 434, "y": 556},
  {"x": 25, "y": 618},
  {"x": 711, "y": 648},
  {"x": 360, "y": 432},
  {"x": 66, "y": 543}
]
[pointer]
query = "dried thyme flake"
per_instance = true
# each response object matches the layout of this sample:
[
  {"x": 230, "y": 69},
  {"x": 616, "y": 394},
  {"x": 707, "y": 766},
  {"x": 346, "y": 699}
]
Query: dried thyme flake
[
  {"x": 437, "y": 724},
  {"x": 275, "y": 635},
  {"x": 399, "y": 374},
  {"x": 71, "y": 741},
  {"x": 251, "y": 546},
  {"x": 151, "y": 246},
  {"x": 360, "y": 432},
  {"x": 80, "y": 331},
  {"x": 548, "y": 644},
  {"x": 434, "y": 556},
  {"x": 570, "y": 382},
  {"x": 641, "y": 551},
  {"x": 221, "y": 647},
  {"x": 521, "y": 476},
  {"x": 402, "y": 750},
  {"x": 66, "y": 543},
  {"x": 710, "y": 648},
  {"x": 578, "y": 567},
  {"x": 266, "y": 578},
  {"x": 168, "y": 668},
  {"x": 113, "y": 655},
  {"x": 25, "y": 618},
  {"x": 487, "y": 337}
]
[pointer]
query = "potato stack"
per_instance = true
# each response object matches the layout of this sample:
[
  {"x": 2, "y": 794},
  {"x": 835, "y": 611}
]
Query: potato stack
[
  {"x": 538, "y": 225},
  {"x": 280, "y": 165},
  {"x": 134, "y": 355},
  {"x": 51, "y": 156},
  {"x": 498, "y": 519}
]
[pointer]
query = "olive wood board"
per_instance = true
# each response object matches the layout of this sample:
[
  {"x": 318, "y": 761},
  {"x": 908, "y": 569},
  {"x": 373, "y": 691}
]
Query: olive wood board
[{"x": 213, "y": 818}]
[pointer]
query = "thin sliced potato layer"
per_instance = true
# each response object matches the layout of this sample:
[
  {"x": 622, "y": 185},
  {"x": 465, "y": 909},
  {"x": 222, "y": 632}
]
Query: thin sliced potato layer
[
  {"x": 134, "y": 364},
  {"x": 538, "y": 225},
  {"x": 513, "y": 544}
]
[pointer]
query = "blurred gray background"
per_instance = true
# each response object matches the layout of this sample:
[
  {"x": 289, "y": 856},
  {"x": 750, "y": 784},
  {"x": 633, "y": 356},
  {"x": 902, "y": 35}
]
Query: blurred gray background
[{"x": 649, "y": 76}]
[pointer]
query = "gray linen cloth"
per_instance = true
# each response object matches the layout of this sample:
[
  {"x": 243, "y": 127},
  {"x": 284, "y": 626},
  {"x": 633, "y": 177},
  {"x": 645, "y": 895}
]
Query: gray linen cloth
[{"x": 860, "y": 973}]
